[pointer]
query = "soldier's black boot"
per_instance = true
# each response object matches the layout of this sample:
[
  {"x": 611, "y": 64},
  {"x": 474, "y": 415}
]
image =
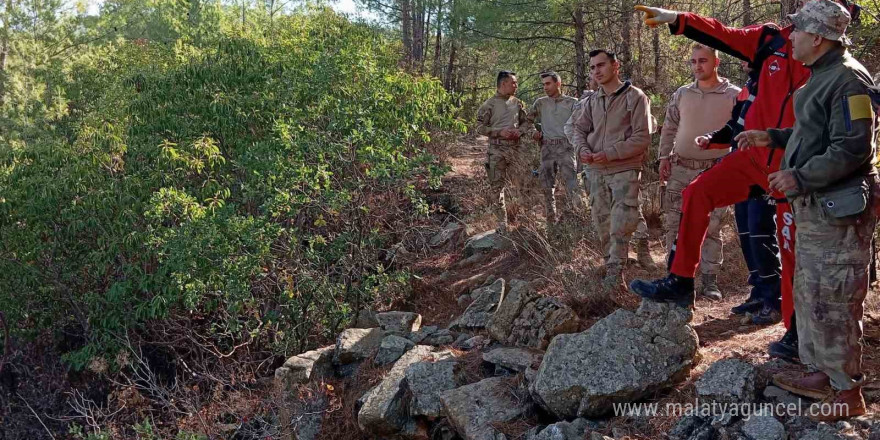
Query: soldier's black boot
[
  {"x": 673, "y": 289},
  {"x": 787, "y": 347}
]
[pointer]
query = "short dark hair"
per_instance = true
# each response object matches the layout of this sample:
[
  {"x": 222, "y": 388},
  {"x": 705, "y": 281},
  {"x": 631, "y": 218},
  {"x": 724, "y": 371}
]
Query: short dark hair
[
  {"x": 502, "y": 75},
  {"x": 611, "y": 55},
  {"x": 551, "y": 74}
]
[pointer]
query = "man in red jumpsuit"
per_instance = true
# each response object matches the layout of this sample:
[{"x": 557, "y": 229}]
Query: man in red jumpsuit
[{"x": 767, "y": 48}]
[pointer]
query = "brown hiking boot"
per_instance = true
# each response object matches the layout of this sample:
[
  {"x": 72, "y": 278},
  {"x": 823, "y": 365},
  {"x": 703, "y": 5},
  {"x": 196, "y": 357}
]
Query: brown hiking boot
[
  {"x": 839, "y": 405},
  {"x": 643, "y": 254},
  {"x": 814, "y": 385}
]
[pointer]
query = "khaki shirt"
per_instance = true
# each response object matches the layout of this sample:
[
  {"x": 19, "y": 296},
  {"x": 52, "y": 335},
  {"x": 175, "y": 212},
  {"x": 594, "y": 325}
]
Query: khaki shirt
[
  {"x": 692, "y": 112},
  {"x": 552, "y": 114},
  {"x": 500, "y": 112},
  {"x": 618, "y": 124}
]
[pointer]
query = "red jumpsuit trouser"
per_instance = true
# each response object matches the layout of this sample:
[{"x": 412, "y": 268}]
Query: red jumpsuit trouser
[{"x": 724, "y": 184}]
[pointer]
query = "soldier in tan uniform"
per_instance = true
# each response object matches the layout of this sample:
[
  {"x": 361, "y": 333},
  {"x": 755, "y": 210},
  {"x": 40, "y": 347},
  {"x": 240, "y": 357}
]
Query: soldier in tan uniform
[
  {"x": 550, "y": 113},
  {"x": 641, "y": 236},
  {"x": 612, "y": 134},
  {"x": 502, "y": 118},
  {"x": 695, "y": 109}
]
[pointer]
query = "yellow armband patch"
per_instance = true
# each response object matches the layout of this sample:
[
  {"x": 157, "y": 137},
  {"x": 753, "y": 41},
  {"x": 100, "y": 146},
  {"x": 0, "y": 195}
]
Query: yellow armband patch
[{"x": 860, "y": 107}]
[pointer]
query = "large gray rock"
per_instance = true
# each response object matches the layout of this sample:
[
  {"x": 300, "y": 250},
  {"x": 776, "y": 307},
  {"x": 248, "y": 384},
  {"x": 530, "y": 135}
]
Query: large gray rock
[
  {"x": 623, "y": 358},
  {"x": 692, "y": 428},
  {"x": 441, "y": 337},
  {"x": 472, "y": 409},
  {"x": 729, "y": 381},
  {"x": 366, "y": 318},
  {"x": 391, "y": 349},
  {"x": 515, "y": 359},
  {"x": 828, "y": 432},
  {"x": 478, "y": 313},
  {"x": 446, "y": 235},
  {"x": 383, "y": 411},
  {"x": 764, "y": 427},
  {"x": 426, "y": 380},
  {"x": 304, "y": 414},
  {"x": 401, "y": 323},
  {"x": 422, "y": 333},
  {"x": 574, "y": 430},
  {"x": 485, "y": 242},
  {"x": 475, "y": 342},
  {"x": 304, "y": 367},
  {"x": 526, "y": 319},
  {"x": 357, "y": 344}
]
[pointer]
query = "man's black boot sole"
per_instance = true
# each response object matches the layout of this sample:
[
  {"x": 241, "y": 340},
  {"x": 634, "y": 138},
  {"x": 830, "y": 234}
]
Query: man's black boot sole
[{"x": 685, "y": 301}]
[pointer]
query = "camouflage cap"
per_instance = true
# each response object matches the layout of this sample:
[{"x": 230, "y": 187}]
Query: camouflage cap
[{"x": 825, "y": 18}]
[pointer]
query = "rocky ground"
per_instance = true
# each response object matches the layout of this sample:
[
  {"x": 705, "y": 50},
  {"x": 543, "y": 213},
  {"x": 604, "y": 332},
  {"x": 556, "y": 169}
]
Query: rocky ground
[{"x": 510, "y": 337}]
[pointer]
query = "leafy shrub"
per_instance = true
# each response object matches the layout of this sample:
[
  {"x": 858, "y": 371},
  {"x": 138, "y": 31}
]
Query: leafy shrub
[{"x": 223, "y": 197}]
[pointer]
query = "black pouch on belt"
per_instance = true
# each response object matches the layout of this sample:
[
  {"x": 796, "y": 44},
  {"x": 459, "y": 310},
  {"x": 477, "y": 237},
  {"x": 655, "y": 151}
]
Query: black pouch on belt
[{"x": 844, "y": 206}]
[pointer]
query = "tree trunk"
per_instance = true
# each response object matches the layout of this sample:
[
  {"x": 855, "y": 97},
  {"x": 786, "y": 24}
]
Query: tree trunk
[
  {"x": 449, "y": 81},
  {"x": 580, "y": 53},
  {"x": 658, "y": 67},
  {"x": 787, "y": 7},
  {"x": 424, "y": 46},
  {"x": 626, "y": 14},
  {"x": 4, "y": 50},
  {"x": 418, "y": 24},
  {"x": 747, "y": 12},
  {"x": 474, "y": 83},
  {"x": 438, "y": 48},
  {"x": 406, "y": 29},
  {"x": 638, "y": 74}
]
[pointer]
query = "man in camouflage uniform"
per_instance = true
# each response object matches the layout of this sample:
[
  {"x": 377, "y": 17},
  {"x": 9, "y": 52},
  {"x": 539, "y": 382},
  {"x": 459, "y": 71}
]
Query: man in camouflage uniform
[
  {"x": 641, "y": 236},
  {"x": 502, "y": 118},
  {"x": 550, "y": 113},
  {"x": 612, "y": 133},
  {"x": 696, "y": 109},
  {"x": 826, "y": 173}
]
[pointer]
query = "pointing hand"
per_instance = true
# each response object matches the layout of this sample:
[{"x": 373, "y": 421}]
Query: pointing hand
[{"x": 657, "y": 16}]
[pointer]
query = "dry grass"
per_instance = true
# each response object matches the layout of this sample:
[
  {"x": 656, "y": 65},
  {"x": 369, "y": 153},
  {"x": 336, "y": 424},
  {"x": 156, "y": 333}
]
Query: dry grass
[
  {"x": 340, "y": 420},
  {"x": 471, "y": 365}
]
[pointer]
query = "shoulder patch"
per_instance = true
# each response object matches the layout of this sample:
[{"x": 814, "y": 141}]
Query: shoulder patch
[{"x": 860, "y": 107}]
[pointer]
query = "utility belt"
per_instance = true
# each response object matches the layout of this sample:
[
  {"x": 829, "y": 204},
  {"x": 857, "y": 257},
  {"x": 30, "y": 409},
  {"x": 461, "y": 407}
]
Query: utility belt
[
  {"x": 557, "y": 141},
  {"x": 692, "y": 164},
  {"x": 503, "y": 142}
]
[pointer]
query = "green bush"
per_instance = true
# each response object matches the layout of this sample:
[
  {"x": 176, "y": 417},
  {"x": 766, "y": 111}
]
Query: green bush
[{"x": 235, "y": 194}]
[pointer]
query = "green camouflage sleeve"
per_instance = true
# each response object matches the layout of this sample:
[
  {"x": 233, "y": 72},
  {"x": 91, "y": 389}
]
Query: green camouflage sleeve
[
  {"x": 670, "y": 126},
  {"x": 484, "y": 121},
  {"x": 525, "y": 126},
  {"x": 534, "y": 115}
]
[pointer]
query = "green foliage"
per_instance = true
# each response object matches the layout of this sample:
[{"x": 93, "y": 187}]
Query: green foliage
[{"x": 242, "y": 188}]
